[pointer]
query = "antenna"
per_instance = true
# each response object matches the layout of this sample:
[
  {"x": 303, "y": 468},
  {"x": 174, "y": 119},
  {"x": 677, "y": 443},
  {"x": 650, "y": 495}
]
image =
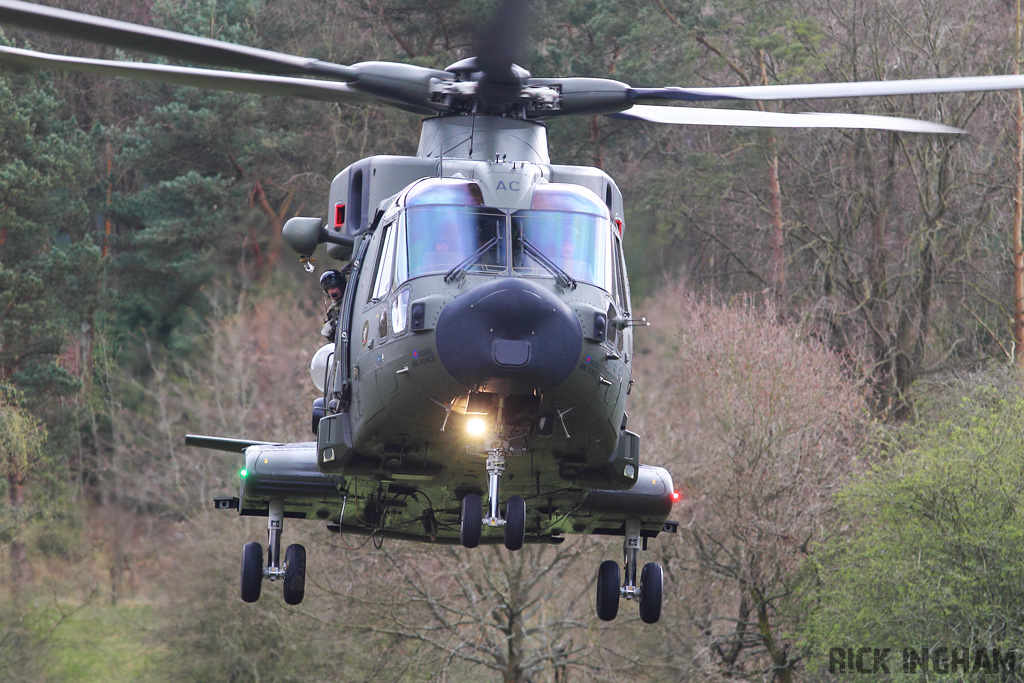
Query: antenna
[{"x": 472, "y": 132}]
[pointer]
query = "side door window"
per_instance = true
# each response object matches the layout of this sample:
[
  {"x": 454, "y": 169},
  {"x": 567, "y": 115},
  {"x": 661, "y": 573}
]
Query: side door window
[
  {"x": 382, "y": 276},
  {"x": 620, "y": 290},
  {"x": 382, "y": 280},
  {"x": 619, "y": 275}
]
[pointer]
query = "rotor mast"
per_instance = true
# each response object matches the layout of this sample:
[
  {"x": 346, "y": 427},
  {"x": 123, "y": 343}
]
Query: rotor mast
[{"x": 483, "y": 138}]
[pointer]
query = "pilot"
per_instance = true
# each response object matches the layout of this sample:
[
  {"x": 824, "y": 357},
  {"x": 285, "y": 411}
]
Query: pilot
[
  {"x": 333, "y": 284},
  {"x": 577, "y": 267}
]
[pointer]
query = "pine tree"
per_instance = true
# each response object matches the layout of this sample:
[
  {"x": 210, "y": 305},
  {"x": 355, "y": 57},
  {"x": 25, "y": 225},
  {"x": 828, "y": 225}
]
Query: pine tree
[{"x": 49, "y": 278}]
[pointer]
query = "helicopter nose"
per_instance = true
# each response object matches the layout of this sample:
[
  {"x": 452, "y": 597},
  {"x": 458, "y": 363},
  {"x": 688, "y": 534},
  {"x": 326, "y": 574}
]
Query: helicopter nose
[{"x": 509, "y": 336}]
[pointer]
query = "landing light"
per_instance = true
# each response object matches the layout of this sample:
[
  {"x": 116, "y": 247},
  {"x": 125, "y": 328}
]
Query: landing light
[
  {"x": 476, "y": 427},
  {"x": 318, "y": 366}
]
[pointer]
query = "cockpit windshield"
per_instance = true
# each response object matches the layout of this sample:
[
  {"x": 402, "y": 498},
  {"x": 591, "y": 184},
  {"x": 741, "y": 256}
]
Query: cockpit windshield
[
  {"x": 578, "y": 243},
  {"x": 441, "y": 238},
  {"x": 566, "y": 233}
]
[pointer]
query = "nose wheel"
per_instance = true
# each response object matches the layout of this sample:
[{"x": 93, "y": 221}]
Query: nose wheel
[
  {"x": 648, "y": 592},
  {"x": 514, "y": 522},
  {"x": 292, "y": 571}
]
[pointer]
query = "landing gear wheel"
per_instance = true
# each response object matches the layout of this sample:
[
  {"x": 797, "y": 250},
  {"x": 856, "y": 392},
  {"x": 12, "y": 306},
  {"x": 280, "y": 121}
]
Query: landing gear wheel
[
  {"x": 252, "y": 571},
  {"x": 472, "y": 520},
  {"x": 651, "y": 583},
  {"x": 607, "y": 590},
  {"x": 294, "y": 574},
  {"x": 515, "y": 522}
]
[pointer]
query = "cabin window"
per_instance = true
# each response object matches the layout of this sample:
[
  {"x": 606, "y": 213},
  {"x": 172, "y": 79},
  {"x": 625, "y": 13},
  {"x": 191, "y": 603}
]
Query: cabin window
[
  {"x": 382, "y": 278},
  {"x": 400, "y": 312},
  {"x": 437, "y": 239},
  {"x": 619, "y": 270},
  {"x": 578, "y": 243},
  {"x": 401, "y": 257}
]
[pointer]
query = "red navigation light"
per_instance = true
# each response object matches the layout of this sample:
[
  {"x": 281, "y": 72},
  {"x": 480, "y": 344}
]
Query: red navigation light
[{"x": 676, "y": 496}]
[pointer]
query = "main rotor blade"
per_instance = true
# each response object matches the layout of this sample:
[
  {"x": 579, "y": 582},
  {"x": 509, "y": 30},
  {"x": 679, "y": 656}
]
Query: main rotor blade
[
  {"x": 499, "y": 44},
  {"x": 810, "y": 91},
  {"x": 220, "y": 443},
  {"x": 282, "y": 86},
  {"x": 168, "y": 43},
  {"x": 764, "y": 119}
]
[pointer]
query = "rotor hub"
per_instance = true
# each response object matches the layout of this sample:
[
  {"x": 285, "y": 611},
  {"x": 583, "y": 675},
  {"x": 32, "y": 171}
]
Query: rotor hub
[
  {"x": 468, "y": 70},
  {"x": 471, "y": 91}
]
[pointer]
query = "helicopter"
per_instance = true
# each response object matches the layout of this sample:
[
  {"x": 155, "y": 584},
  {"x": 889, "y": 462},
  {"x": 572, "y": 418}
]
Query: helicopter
[{"x": 476, "y": 389}]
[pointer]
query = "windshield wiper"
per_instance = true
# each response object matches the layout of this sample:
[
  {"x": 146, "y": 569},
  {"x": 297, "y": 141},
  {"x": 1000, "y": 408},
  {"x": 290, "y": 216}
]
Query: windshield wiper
[
  {"x": 563, "y": 277},
  {"x": 461, "y": 267}
]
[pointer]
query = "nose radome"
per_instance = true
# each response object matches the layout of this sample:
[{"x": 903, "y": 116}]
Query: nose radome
[{"x": 509, "y": 336}]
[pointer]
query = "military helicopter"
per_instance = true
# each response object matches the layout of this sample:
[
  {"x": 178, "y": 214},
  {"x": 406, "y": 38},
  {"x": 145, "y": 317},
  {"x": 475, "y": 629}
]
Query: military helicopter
[{"x": 476, "y": 389}]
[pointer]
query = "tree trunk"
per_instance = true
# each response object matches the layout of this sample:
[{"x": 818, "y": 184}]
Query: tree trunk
[
  {"x": 777, "y": 270},
  {"x": 778, "y": 653},
  {"x": 595, "y": 141},
  {"x": 1018, "y": 211},
  {"x": 777, "y": 266},
  {"x": 16, "y": 497}
]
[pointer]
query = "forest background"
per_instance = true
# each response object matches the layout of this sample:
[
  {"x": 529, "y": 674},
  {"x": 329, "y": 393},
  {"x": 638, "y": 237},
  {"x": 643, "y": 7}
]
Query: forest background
[{"x": 830, "y": 376}]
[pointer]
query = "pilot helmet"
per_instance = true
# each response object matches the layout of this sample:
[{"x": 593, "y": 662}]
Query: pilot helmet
[{"x": 331, "y": 279}]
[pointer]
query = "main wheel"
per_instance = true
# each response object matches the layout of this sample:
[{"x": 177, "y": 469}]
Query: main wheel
[
  {"x": 515, "y": 522},
  {"x": 472, "y": 520},
  {"x": 651, "y": 584},
  {"x": 294, "y": 574},
  {"x": 607, "y": 590},
  {"x": 252, "y": 571}
]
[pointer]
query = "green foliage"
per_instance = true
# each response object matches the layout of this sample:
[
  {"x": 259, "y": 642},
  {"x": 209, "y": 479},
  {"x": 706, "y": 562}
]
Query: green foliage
[
  {"x": 931, "y": 551},
  {"x": 22, "y": 437},
  {"x": 195, "y": 183},
  {"x": 58, "y": 538},
  {"x": 182, "y": 216},
  {"x": 22, "y": 650},
  {"x": 228, "y": 640},
  {"x": 50, "y": 274},
  {"x": 51, "y": 639},
  {"x": 22, "y": 447},
  {"x": 49, "y": 267},
  {"x": 100, "y": 643}
]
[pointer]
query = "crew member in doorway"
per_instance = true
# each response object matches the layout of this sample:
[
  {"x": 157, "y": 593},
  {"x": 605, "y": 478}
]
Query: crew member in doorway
[{"x": 333, "y": 284}]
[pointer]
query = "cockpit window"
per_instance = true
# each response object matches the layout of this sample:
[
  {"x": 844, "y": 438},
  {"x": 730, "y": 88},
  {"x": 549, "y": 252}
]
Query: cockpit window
[
  {"x": 440, "y": 238},
  {"x": 444, "y": 228},
  {"x": 578, "y": 243}
]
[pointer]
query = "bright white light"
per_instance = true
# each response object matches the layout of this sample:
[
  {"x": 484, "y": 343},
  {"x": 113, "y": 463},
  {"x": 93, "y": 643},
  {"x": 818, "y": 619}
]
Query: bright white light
[{"x": 476, "y": 427}]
